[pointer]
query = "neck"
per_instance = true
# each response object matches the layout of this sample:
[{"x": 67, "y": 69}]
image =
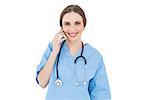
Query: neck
[{"x": 74, "y": 46}]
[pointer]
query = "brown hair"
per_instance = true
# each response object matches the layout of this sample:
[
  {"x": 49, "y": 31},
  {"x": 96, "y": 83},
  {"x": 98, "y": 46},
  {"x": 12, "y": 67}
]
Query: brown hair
[{"x": 74, "y": 8}]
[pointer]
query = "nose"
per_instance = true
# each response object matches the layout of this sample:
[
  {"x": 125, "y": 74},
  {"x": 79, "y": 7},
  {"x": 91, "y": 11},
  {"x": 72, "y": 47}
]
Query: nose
[{"x": 72, "y": 28}]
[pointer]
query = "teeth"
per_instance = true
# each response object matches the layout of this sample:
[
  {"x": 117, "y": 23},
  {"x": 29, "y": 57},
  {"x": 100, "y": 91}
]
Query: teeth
[{"x": 72, "y": 34}]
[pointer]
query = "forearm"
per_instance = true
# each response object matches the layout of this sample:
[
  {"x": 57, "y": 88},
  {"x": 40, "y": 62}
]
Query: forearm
[{"x": 45, "y": 73}]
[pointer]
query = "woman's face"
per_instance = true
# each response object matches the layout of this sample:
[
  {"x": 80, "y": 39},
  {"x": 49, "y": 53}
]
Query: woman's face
[{"x": 72, "y": 24}]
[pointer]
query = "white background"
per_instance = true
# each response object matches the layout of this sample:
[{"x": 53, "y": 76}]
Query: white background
[{"x": 119, "y": 29}]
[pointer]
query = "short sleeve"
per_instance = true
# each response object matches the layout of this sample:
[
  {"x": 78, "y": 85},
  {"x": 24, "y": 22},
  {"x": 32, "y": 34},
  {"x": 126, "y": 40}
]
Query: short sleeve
[
  {"x": 44, "y": 59},
  {"x": 99, "y": 86}
]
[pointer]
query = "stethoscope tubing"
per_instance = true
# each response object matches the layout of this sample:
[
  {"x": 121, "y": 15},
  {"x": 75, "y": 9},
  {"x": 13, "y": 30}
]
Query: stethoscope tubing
[{"x": 81, "y": 56}]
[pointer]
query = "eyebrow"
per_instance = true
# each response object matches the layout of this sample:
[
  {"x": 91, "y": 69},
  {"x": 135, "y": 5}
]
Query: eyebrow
[
  {"x": 77, "y": 22},
  {"x": 66, "y": 22},
  {"x": 69, "y": 22}
]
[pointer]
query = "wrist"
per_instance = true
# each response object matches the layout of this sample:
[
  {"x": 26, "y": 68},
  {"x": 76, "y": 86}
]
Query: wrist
[{"x": 54, "y": 52}]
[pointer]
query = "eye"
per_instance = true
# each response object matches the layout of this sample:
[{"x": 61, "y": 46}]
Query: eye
[
  {"x": 77, "y": 23},
  {"x": 67, "y": 23}
]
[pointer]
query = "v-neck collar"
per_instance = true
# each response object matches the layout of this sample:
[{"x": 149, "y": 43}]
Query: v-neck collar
[{"x": 67, "y": 51}]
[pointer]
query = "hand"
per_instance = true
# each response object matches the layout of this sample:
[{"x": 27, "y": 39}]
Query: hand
[{"x": 58, "y": 38}]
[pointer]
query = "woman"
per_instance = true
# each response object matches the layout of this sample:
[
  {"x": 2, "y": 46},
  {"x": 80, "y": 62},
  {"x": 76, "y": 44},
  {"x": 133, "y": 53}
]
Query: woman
[{"x": 73, "y": 70}]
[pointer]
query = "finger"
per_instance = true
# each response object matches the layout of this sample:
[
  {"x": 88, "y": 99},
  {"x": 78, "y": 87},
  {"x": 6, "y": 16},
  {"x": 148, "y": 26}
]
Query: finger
[
  {"x": 61, "y": 40},
  {"x": 60, "y": 37},
  {"x": 60, "y": 31}
]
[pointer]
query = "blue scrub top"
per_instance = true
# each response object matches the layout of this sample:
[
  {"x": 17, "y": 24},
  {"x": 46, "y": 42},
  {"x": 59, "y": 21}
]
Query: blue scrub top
[{"x": 80, "y": 82}]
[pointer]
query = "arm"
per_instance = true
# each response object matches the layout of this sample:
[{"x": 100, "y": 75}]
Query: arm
[
  {"x": 44, "y": 69},
  {"x": 45, "y": 73},
  {"x": 99, "y": 87}
]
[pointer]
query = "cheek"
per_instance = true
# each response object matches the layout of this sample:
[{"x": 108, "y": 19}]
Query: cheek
[
  {"x": 80, "y": 28},
  {"x": 65, "y": 29}
]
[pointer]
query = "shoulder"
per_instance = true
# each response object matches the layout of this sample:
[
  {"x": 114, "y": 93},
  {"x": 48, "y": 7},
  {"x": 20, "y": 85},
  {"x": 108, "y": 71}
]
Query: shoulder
[
  {"x": 49, "y": 47},
  {"x": 48, "y": 50},
  {"x": 92, "y": 52}
]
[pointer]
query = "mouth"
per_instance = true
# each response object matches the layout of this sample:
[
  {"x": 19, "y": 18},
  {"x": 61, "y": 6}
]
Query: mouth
[{"x": 73, "y": 34}]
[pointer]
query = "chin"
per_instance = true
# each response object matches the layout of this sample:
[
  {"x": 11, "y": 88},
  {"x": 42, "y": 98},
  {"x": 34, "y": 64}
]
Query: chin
[
  {"x": 73, "y": 37},
  {"x": 72, "y": 40}
]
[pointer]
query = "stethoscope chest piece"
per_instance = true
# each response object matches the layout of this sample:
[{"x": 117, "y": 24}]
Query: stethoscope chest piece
[{"x": 58, "y": 82}]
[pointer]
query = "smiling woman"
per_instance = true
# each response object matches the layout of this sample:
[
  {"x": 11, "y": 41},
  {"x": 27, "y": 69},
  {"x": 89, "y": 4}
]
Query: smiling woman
[
  {"x": 73, "y": 70},
  {"x": 73, "y": 26},
  {"x": 73, "y": 21}
]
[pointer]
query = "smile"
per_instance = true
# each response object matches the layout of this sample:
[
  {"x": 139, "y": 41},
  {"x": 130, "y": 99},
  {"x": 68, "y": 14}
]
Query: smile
[{"x": 72, "y": 34}]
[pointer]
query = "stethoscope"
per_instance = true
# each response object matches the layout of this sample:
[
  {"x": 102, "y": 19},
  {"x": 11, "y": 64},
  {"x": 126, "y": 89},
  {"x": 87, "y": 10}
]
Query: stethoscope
[{"x": 59, "y": 82}]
